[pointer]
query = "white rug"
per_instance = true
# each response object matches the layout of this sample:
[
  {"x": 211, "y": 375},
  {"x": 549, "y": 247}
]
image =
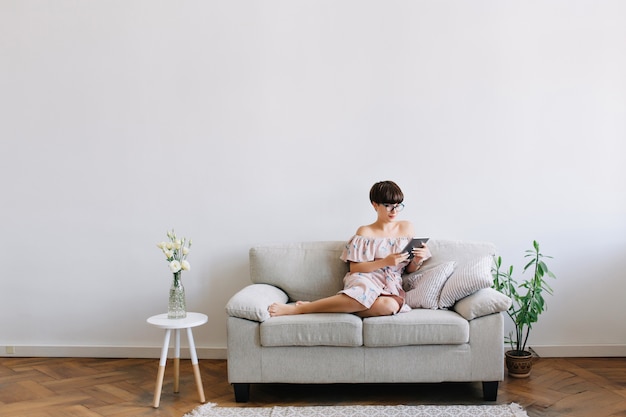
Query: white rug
[{"x": 511, "y": 410}]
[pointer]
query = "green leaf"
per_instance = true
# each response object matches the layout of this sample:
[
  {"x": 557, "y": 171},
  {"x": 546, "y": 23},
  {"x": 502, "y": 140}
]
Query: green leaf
[
  {"x": 529, "y": 264},
  {"x": 541, "y": 268}
]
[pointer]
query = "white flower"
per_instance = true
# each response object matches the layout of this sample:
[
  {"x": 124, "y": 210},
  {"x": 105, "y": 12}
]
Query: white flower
[
  {"x": 176, "y": 251},
  {"x": 175, "y": 266}
]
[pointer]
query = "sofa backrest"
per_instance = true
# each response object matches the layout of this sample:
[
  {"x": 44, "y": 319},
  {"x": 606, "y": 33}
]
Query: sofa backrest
[
  {"x": 456, "y": 250},
  {"x": 308, "y": 271}
]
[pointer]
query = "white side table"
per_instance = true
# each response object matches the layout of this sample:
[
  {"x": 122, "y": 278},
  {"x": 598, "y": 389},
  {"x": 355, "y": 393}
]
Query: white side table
[{"x": 161, "y": 321}]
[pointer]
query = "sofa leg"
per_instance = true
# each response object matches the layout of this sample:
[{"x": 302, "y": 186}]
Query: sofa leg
[
  {"x": 242, "y": 392},
  {"x": 490, "y": 390}
]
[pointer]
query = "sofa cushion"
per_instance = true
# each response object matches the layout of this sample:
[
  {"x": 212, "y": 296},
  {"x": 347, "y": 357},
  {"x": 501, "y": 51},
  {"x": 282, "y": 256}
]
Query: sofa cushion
[
  {"x": 319, "y": 329},
  {"x": 416, "y": 327},
  {"x": 306, "y": 271}
]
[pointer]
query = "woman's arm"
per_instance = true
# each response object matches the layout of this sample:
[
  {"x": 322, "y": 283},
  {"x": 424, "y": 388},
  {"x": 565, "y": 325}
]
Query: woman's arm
[
  {"x": 391, "y": 260},
  {"x": 413, "y": 266},
  {"x": 420, "y": 255}
]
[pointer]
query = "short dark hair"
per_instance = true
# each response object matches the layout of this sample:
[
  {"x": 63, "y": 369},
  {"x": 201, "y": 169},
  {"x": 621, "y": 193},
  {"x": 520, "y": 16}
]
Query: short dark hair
[{"x": 386, "y": 192}]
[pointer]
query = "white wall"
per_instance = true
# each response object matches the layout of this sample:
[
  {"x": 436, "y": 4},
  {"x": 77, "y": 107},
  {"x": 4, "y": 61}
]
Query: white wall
[{"x": 246, "y": 122}]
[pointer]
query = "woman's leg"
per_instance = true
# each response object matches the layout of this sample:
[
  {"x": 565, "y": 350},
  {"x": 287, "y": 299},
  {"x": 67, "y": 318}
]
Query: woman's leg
[
  {"x": 339, "y": 303},
  {"x": 385, "y": 305}
]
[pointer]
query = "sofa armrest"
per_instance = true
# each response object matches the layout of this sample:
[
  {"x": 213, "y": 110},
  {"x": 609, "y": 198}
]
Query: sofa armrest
[
  {"x": 482, "y": 303},
  {"x": 251, "y": 302}
]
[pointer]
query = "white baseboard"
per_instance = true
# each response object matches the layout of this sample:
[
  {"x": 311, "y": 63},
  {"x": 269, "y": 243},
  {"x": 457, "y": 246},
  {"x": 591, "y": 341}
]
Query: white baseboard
[
  {"x": 580, "y": 351},
  {"x": 104, "y": 352}
]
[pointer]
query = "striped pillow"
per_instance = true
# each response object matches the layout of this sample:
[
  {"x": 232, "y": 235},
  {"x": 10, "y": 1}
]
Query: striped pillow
[
  {"x": 423, "y": 288},
  {"x": 466, "y": 280}
]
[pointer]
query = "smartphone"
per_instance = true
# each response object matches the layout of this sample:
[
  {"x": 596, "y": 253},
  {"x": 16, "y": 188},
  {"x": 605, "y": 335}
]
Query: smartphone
[{"x": 415, "y": 243}]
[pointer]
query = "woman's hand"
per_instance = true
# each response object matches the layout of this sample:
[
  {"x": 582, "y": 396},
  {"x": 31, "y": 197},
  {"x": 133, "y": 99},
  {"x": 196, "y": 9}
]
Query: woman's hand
[
  {"x": 396, "y": 259},
  {"x": 421, "y": 254}
]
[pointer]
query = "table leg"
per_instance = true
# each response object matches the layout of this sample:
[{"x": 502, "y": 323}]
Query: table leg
[
  {"x": 177, "y": 362},
  {"x": 194, "y": 364},
  {"x": 161, "y": 373}
]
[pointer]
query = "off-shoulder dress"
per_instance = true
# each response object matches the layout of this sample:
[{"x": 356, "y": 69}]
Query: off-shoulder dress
[{"x": 366, "y": 287}]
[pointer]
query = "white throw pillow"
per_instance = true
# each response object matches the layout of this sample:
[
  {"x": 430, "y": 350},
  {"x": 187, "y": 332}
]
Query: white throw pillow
[
  {"x": 481, "y": 303},
  {"x": 468, "y": 278},
  {"x": 251, "y": 302},
  {"x": 423, "y": 288}
]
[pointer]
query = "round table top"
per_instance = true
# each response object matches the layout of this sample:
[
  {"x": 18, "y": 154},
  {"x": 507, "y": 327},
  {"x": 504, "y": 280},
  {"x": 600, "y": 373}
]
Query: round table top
[{"x": 192, "y": 320}]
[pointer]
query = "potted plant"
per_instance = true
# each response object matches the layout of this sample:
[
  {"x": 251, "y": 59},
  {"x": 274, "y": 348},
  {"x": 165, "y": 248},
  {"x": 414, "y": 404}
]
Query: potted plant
[{"x": 528, "y": 303}]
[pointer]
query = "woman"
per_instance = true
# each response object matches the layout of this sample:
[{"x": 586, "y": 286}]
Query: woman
[{"x": 373, "y": 287}]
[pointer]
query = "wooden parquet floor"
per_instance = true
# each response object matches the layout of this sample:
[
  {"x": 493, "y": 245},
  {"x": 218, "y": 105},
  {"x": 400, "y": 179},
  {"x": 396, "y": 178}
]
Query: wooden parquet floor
[{"x": 80, "y": 387}]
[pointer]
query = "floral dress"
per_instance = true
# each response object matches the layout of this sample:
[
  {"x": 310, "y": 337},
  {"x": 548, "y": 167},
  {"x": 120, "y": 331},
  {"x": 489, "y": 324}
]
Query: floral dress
[{"x": 366, "y": 287}]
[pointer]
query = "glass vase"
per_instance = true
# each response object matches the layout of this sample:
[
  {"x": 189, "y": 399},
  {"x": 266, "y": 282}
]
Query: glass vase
[{"x": 177, "y": 308}]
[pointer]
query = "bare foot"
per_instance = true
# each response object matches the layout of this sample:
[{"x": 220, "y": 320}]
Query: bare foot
[{"x": 277, "y": 309}]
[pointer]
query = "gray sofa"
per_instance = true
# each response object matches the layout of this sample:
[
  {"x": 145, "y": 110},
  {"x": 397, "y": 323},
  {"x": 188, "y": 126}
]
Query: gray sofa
[{"x": 462, "y": 343}]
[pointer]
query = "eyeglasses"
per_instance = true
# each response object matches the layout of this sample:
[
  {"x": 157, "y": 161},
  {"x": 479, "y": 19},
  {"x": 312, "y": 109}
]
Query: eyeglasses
[{"x": 397, "y": 207}]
